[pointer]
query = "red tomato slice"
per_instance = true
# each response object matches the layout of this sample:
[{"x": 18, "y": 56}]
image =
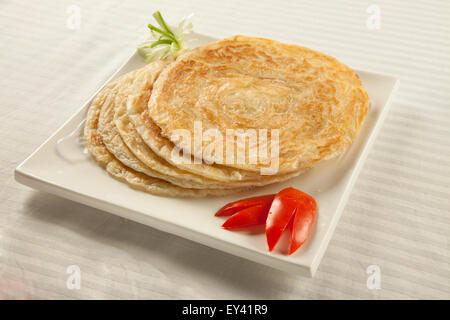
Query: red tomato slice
[
  {"x": 289, "y": 209},
  {"x": 248, "y": 217},
  {"x": 290, "y": 206},
  {"x": 233, "y": 207},
  {"x": 302, "y": 223},
  {"x": 280, "y": 213}
]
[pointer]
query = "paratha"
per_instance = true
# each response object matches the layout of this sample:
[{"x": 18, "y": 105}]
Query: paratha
[
  {"x": 123, "y": 173},
  {"x": 123, "y": 146},
  {"x": 136, "y": 128},
  {"x": 113, "y": 140},
  {"x": 316, "y": 102}
]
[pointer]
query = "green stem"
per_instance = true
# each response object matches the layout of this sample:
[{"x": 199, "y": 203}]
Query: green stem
[
  {"x": 158, "y": 17},
  {"x": 162, "y": 41},
  {"x": 168, "y": 35}
]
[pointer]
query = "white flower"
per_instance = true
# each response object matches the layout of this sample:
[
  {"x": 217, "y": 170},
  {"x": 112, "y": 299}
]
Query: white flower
[{"x": 164, "y": 41}]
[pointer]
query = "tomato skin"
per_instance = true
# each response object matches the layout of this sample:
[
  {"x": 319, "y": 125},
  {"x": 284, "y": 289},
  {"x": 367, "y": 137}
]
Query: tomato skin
[
  {"x": 247, "y": 217},
  {"x": 294, "y": 208},
  {"x": 280, "y": 213},
  {"x": 289, "y": 209},
  {"x": 233, "y": 207},
  {"x": 302, "y": 223}
]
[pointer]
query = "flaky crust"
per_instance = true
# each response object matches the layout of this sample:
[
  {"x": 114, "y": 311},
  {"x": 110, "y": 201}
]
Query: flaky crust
[
  {"x": 316, "y": 102},
  {"x": 117, "y": 169},
  {"x": 143, "y": 139}
]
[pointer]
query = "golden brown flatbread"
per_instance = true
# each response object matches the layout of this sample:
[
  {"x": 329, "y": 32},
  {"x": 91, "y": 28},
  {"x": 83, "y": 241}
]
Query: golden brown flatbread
[
  {"x": 144, "y": 140},
  {"x": 118, "y": 170},
  {"x": 316, "y": 102}
]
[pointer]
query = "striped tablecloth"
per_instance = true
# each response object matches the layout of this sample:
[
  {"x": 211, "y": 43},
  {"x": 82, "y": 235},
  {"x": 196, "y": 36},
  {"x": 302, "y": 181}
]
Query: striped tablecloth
[{"x": 393, "y": 238}]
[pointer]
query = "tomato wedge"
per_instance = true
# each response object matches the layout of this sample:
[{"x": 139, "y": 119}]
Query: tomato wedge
[
  {"x": 289, "y": 209},
  {"x": 233, "y": 207},
  {"x": 303, "y": 220},
  {"x": 247, "y": 217},
  {"x": 246, "y": 213},
  {"x": 280, "y": 213},
  {"x": 290, "y": 204}
]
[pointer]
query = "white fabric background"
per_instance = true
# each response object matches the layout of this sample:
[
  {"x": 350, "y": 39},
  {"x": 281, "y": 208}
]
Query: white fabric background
[{"x": 398, "y": 214}]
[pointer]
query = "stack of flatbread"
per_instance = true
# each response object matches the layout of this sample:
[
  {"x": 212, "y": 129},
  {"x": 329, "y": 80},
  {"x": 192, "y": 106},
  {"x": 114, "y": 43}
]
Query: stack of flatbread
[{"x": 224, "y": 117}]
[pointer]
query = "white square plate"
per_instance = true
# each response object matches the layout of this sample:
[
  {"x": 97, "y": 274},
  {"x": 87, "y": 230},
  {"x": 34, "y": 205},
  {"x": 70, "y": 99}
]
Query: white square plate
[{"x": 65, "y": 170}]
